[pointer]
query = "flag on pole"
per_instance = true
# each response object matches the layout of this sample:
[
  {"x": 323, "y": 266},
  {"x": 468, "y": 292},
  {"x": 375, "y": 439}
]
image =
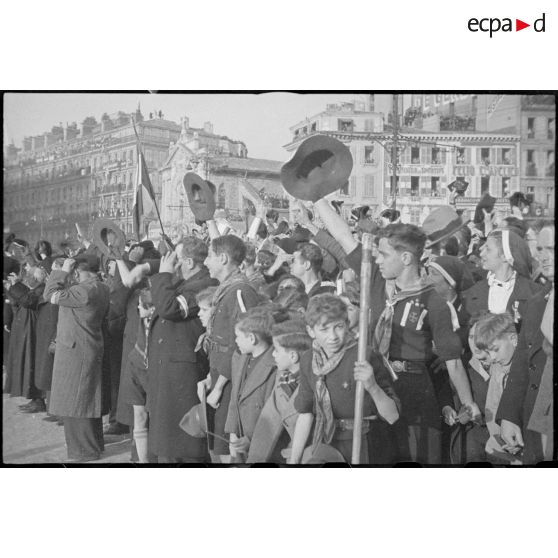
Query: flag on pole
[{"x": 144, "y": 196}]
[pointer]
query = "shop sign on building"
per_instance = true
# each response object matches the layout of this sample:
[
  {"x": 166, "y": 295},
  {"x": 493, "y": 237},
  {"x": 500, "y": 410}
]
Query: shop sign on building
[
  {"x": 428, "y": 170},
  {"x": 491, "y": 170}
]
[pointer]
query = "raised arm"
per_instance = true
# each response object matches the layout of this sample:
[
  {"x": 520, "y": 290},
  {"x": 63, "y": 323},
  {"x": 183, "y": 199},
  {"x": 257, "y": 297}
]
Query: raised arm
[{"x": 336, "y": 225}]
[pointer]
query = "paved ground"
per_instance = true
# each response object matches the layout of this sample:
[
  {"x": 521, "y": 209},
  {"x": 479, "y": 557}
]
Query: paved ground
[{"x": 29, "y": 439}]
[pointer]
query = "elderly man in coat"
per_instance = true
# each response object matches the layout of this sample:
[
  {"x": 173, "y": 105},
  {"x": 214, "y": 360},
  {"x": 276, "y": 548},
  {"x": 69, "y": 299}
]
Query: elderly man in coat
[{"x": 76, "y": 381}]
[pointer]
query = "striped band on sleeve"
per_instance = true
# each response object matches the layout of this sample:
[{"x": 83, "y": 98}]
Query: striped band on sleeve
[{"x": 183, "y": 305}]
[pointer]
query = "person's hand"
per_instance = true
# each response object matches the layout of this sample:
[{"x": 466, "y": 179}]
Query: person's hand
[
  {"x": 213, "y": 398},
  {"x": 239, "y": 446},
  {"x": 450, "y": 416},
  {"x": 452, "y": 197},
  {"x": 474, "y": 411},
  {"x": 349, "y": 275},
  {"x": 136, "y": 254},
  {"x": 68, "y": 265},
  {"x": 512, "y": 436},
  {"x": 203, "y": 387},
  {"x": 168, "y": 263},
  {"x": 365, "y": 373}
]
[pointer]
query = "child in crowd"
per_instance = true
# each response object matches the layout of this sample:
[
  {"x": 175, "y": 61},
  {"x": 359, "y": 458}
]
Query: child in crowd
[
  {"x": 328, "y": 377},
  {"x": 493, "y": 339},
  {"x": 136, "y": 380},
  {"x": 205, "y": 307},
  {"x": 351, "y": 297},
  {"x": 293, "y": 301},
  {"x": 275, "y": 427},
  {"x": 253, "y": 378}
]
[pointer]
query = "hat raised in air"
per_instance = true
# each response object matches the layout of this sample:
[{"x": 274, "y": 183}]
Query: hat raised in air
[{"x": 320, "y": 166}]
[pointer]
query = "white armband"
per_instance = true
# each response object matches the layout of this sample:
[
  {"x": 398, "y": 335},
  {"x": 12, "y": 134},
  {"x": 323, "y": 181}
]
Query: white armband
[{"x": 183, "y": 304}]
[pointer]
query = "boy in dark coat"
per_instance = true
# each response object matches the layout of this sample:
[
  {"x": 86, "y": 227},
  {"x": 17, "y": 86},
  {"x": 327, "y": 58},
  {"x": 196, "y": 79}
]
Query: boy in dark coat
[
  {"x": 252, "y": 378},
  {"x": 233, "y": 297}
]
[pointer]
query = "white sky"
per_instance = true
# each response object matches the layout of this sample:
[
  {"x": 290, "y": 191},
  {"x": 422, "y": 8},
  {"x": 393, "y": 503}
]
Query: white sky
[{"x": 261, "y": 121}]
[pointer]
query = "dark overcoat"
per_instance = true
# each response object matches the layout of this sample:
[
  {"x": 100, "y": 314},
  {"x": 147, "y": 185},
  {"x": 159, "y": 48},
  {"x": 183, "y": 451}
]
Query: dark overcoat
[
  {"x": 21, "y": 355},
  {"x": 76, "y": 377},
  {"x": 249, "y": 395},
  {"x": 222, "y": 346},
  {"x": 47, "y": 321},
  {"x": 475, "y": 299},
  {"x": 174, "y": 368},
  {"x": 522, "y": 387},
  {"x": 124, "y": 411}
]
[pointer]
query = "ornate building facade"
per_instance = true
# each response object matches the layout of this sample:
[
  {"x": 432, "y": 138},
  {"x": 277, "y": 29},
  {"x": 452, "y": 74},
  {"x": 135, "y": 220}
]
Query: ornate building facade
[
  {"x": 75, "y": 175},
  {"x": 225, "y": 162}
]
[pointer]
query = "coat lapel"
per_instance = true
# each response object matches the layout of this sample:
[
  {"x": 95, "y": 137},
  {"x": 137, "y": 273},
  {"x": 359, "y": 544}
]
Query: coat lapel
[{"x": 259, "y": 375}]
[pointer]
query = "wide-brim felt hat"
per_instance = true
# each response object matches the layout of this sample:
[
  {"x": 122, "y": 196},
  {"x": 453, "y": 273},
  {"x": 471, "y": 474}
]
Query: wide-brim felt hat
[
  {"x": 486, "y": 203},
  {"x": 320, "y": 166},
  {"x": 108, "y": 235},
  {"x": 201, "y": 196},
  {"x": 194, "y": 422},
  {"x": 442, "y": 223},
  {"x": 459, "y": 185},
  {"x": 323, "y": 453}
]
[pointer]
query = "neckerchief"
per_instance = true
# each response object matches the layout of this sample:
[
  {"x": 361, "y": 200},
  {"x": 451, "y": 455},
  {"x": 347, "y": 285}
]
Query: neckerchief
[
  {"x": 322, "y": 365},
  {"x": 236, "y": 277},
  {"x": 382, "y": 333},
  {"x": 288, "y": 382}
]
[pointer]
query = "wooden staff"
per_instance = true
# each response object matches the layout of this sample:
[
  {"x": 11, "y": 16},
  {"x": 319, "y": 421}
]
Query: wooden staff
[{"x": 365, "y": 275}]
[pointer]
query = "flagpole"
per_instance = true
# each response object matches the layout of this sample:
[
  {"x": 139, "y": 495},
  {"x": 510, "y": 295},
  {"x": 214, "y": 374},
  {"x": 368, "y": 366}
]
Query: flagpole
[{"x": 140, "y": 145}]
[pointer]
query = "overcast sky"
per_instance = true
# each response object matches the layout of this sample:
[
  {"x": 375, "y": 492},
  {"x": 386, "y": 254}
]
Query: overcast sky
[{"x": 261, "y": 121}]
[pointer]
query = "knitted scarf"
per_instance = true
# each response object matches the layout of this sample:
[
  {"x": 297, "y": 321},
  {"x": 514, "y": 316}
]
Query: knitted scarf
[{"x": 322, "y": 365}]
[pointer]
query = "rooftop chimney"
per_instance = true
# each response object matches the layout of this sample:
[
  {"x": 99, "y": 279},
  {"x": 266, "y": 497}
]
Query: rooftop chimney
[{"x": 208, "y": 127}]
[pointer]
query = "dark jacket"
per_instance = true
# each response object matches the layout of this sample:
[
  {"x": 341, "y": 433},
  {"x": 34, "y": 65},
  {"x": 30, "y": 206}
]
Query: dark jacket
[
  {"x": 248, "y": 400},
  {"x": 21, "y": 355},
  {"x": 174, "y": 368},
  {"x": 475, "y": 299},
  {"x": 520, "y": 393}
]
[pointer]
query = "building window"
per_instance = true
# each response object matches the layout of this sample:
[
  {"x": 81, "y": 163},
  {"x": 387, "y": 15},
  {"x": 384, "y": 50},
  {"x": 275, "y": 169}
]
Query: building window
[
  {"x": 485, "y": 185},
  {"x": 436, "y": 158},
  {"x": 369, "y": 186},
  {"x": 313, "y": 127},
  {"x": 369, "y": 154},
  {"x": 345, "y": 125},
  {"x": 506, "y": 158},
  {"x": 531, "y": 190},
  {"x": 415, "y": 155},
  {"x": 461, "y": 157},
  {"x": 551, "y": 128},
  {"x": 531, "y": 169},
  {"x": 435, "y": 186},
  {"x": 353, "y": 187},
  {"x": 550, "y": 163},
  {"x": 485, "y": 155},
  {"x": 415, "y": 186},
  {"x": 505, "y": 186},
  {"x": 530, "y": 128}
]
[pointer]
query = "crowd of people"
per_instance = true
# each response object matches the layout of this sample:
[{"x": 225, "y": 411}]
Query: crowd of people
[{"x": 228, "y": 348}]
